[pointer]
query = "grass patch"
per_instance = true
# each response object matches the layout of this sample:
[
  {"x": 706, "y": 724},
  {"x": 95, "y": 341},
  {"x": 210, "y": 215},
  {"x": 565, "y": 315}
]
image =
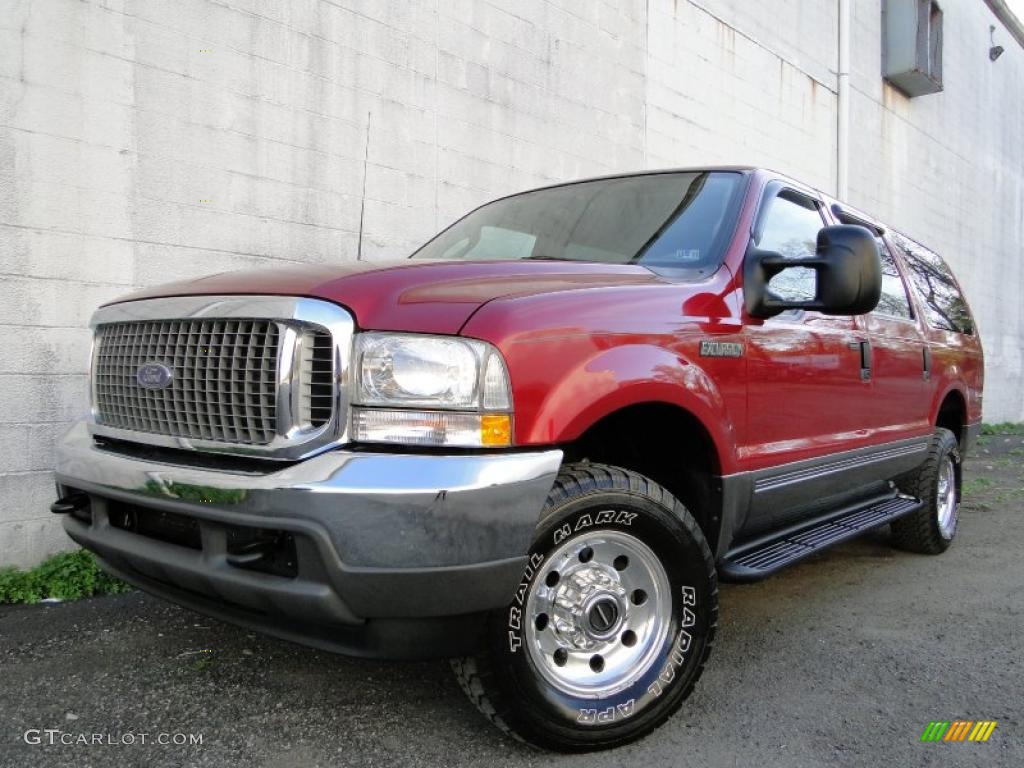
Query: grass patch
[
  {"x": 68, "y": 576},
  {"x": 976, "y": 484},
  {"x": 1005, "y": 495},
  {"x": 1003, "y": 428}
]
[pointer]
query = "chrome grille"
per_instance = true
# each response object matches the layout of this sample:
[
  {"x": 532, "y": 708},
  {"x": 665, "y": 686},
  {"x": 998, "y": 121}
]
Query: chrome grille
[
  {"x": 250, "y": 375},
  {"x": 317, "y": 368},
  {"x": 223, "y": 383}
]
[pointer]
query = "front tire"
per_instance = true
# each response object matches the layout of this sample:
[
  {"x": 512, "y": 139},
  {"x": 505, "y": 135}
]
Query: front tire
[
  {"x": 612, "y": 623},
  {"x": 936, "y": 482}
]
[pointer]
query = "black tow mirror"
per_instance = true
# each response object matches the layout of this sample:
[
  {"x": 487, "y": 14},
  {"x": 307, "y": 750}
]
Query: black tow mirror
[{"x": 848, "y": 279}]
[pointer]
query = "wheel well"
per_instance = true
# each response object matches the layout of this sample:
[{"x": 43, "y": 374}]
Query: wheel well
[
  {"x": 667, "y": 444},
  {"x": 953, "y": 415}
]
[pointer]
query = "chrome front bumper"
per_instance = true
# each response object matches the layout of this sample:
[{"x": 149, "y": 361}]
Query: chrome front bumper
[{"x": 378, "y": 535}]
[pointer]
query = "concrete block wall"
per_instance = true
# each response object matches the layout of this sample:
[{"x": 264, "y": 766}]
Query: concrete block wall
[
  {"x": 947, "y": 169},
  {"x": 719, "y": 91},
  {"x": 149, "y": 140}
]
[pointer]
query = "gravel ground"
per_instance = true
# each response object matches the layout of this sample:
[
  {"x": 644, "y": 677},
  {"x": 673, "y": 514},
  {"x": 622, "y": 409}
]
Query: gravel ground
[{"x": 842, "y": 660}]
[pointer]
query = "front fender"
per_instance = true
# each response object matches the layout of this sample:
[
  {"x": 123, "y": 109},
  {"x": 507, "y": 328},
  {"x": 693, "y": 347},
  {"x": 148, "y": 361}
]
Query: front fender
[{"x": 618, "y": 377}]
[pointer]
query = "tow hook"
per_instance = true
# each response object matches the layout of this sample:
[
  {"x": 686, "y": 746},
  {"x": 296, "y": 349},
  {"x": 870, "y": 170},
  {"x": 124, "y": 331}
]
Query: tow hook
[{"x": 68, "y": 504}]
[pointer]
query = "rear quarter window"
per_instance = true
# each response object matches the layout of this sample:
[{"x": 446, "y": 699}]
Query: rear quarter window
[{"x": 942, "y": 302}]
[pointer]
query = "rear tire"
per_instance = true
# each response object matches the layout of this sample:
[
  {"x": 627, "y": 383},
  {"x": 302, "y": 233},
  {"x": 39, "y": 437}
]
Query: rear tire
[
  {"x": 612, "y": 623},
  {"x": 936, "y": 482}
]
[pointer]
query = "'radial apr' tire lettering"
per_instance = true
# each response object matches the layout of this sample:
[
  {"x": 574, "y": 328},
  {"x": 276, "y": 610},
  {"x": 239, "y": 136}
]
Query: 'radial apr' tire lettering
[{"x": 611, "y": 625}]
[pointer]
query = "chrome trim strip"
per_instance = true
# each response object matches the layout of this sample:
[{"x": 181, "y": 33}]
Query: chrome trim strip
[
  {"x": 293, "y": 313},
  {"x": 839, "y": 465},
  {"x": 371, "y": 510},
  {"x": 287, "y": 369}
]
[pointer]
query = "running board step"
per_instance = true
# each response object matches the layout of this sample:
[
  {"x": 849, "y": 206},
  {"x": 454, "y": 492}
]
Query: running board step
[{"x": 761, "y": 558}]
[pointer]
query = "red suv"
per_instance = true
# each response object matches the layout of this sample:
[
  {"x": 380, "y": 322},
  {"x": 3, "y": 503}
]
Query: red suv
[{"x": 537, "y": 443}]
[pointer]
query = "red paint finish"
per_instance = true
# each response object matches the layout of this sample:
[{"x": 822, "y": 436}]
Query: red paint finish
[
  {"x": 424, "y": 297},
  {"x": 906, "y": 401},
  {"x": 806, "y": 396},
  {"x": 579, "y": 355},
  {"x": 584, "y": 340}
]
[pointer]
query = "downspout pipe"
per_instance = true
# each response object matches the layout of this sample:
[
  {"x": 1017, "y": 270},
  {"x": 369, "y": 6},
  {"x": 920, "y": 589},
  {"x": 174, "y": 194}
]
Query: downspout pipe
[{"x": 843, "y": 103}]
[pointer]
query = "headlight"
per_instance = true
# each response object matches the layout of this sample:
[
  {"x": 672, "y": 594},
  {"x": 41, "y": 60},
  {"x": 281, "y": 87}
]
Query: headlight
[{"x": 430, "y": 390}]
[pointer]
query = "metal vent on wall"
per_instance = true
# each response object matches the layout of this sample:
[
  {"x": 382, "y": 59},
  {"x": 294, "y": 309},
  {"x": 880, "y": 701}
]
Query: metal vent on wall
[{"x": 912, "y": 46}]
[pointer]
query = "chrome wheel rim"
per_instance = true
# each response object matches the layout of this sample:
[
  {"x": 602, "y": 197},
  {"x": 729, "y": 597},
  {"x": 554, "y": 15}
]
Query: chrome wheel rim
[
  {"x": 945, "y": 498},
  {"x": 598, "y": 613}
]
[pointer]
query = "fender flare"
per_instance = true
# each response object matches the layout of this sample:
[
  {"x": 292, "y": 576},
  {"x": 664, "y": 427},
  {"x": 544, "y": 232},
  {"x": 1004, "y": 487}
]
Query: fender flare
[
  {"x": 949, "y": 385},
  {"x": 634, "y": 374}
]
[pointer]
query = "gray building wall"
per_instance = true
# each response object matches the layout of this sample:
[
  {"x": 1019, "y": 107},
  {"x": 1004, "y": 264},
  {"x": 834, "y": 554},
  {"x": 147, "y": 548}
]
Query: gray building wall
[{"x": 143, "y": 141}]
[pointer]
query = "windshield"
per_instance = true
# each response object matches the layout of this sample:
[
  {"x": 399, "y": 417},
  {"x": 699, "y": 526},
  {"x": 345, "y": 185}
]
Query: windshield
[{"x": 667, "y": 220}]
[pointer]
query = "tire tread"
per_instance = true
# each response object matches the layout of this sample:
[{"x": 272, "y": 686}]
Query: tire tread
[
  {"x": 919, "y": 531},
  {"x": 474, "y": 674}
]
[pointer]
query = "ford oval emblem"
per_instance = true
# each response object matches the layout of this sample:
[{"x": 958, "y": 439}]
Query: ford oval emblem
[{"x": 154, "y": 376}]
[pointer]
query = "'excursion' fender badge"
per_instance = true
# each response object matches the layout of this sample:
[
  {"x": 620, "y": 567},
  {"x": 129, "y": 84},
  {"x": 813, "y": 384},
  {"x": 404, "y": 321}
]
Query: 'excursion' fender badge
[{"x": 721, "y": 349}]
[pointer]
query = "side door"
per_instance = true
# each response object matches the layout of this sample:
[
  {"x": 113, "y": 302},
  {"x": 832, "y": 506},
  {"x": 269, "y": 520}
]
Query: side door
[
  {"x": 899, "y": 366},
  {"x": 806, "y": 388}
]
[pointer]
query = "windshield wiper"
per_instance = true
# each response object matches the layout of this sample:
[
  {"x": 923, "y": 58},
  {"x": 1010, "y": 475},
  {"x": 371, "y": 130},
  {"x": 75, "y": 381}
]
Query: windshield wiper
[{"x": 542, "y": 257}]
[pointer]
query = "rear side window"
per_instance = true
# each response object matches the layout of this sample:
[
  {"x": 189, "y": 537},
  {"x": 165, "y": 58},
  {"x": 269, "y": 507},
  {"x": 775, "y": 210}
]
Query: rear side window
[{"x": 944, "y": 306}]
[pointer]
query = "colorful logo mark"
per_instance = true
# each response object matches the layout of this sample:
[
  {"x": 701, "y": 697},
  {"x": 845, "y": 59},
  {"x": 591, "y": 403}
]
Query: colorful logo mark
[{"x": 958, "y": 730}]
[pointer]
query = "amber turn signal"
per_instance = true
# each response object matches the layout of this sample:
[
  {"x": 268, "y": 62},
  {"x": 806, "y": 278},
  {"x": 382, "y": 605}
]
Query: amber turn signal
[{"x": 496, "y": 429}]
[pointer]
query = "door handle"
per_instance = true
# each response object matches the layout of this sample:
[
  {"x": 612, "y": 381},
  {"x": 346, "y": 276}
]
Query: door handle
[{"x": 864, "y": 347}]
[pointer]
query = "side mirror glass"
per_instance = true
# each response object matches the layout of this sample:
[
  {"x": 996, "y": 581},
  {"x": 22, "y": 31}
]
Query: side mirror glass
[
  {"x": 799, "y": 284},
  {"x": 844, "y": 277}
]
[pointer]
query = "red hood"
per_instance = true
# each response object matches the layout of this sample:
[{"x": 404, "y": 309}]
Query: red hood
[{"x": 430, "y": 297}]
